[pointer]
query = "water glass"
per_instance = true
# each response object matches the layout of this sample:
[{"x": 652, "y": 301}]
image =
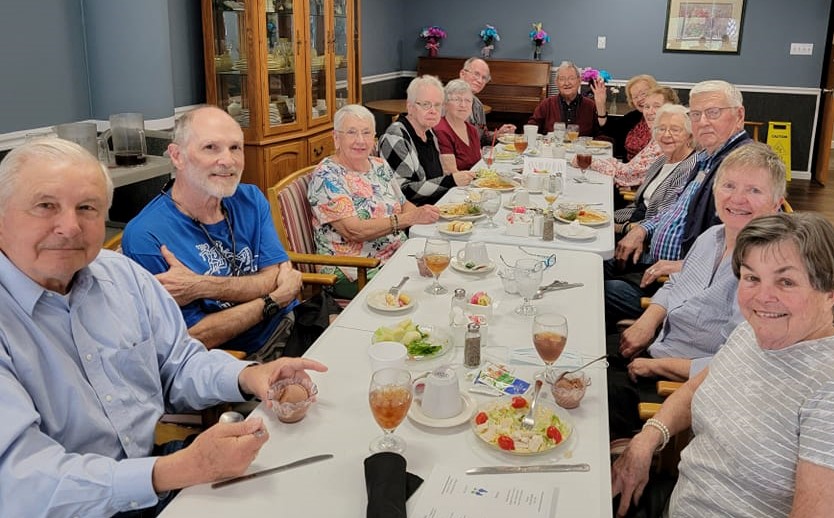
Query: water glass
[{"x": 528, "y": 277}]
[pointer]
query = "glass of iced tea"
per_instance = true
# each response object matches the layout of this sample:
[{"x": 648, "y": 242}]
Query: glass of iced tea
[
  {"x": 583, "y": 159},
  {"x": 436, "y": 255},
  {"x": 390, "y": 398},
  {"x": 520, "y": 143},
  {"x": 550, "y": 334}
]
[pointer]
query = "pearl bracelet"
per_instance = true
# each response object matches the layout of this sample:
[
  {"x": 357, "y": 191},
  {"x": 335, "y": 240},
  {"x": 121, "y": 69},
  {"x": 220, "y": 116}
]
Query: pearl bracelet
[{"x": 655, "y": 423}]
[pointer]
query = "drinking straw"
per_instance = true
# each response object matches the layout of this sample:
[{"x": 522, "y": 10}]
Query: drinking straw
[{"x": 492, "y": 149}]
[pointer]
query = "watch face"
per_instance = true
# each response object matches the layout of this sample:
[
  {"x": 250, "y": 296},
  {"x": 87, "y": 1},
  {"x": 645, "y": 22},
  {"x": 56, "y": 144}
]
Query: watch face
[{"x": 271, "y": 308}]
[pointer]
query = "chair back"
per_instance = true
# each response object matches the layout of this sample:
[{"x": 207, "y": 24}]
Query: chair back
[{"x": 292, "y": 215}]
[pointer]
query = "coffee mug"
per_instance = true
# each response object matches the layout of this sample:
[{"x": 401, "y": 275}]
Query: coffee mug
[
  {"x": 474, "y": 252},
  {"x": 520, "y": 198},
  {"x": 387, "y": 354},
  {"x": 441, "y": 393}
]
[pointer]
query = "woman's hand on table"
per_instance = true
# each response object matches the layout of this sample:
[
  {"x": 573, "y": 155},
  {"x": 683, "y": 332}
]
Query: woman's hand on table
[
  {"x": 463, "y": 178},
  {"x": 662, "y": 267},
  {"x": 630, "y": 472},
  {"x": 256, "y": 379}
]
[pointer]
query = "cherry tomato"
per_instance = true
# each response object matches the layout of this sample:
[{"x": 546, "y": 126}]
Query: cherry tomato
[
  {"x": 519, "y": 402},
  {"x": 481, "y": 418},
  {"x": 506, "y": 442},
  {"x": 554, "y": 434}
]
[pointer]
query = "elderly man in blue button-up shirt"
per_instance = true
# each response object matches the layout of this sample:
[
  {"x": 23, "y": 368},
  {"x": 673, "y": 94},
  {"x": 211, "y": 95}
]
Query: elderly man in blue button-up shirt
[{"x": 93, "y": 350}]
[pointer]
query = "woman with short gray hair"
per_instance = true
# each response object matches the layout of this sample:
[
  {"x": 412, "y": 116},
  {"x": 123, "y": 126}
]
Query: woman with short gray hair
[{"x": 460, "y": 146}]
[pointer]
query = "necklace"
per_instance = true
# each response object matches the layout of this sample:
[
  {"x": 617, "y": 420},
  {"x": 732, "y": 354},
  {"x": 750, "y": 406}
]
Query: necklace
[{"x": 216, "y": 244}]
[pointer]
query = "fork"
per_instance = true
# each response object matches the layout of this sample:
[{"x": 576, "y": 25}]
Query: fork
[
  {"x": 529, "y": 420},
  {"x": 394, "y": 291}
]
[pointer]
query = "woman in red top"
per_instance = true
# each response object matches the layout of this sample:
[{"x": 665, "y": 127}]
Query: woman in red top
[
  {"x": 631, "y": 132},
  {"x": 460, "y": 146}
]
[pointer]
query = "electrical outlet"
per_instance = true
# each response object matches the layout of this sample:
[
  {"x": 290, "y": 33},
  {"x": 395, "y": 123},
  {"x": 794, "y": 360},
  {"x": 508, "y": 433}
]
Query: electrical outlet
[
  {"x": 601, "y": 42},
  {"x": 802, "y": 49}
]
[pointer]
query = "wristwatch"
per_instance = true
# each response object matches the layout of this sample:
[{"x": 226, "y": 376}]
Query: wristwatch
[{"x": 271, "y": 308}]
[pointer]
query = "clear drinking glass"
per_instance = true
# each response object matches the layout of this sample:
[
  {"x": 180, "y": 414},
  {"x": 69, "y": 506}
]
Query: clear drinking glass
[
  {"x": 390, "y": 398},
  {"x": 436, "y": 255},
  {"x": 571, "y": 132},
  {"x": 583, "y": 159},
  {"x": 490, "y": 205},
  {"x": 528, "y": 276},
  {"x": 559, "y": 130},
  {"x": 488, "y": 154},
  {"x": 550, "y": 334}
]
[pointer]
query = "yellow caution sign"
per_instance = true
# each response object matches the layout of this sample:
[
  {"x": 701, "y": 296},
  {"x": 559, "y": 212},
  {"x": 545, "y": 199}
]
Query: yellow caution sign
[{"x": 779, "y": 139}]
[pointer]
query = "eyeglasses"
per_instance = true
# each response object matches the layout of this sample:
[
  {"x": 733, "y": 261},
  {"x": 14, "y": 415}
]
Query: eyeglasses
[
  {"x": 460, "y": 100},
  {"x": 547, "y": 260},
  {"x": 355, "y": 134},
  {"x": 710, "y": 113},
  {"x": 673, "y": 130},
  {"x": 428, "y": 105},
  {"x": 478, "y": 76},
  {"x": 570, "y": 79}
]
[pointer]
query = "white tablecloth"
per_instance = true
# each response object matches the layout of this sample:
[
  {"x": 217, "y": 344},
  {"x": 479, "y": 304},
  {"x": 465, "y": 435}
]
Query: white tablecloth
[
  {"x": 341, "y": 422},
  {"x": 599, "y": 193}
]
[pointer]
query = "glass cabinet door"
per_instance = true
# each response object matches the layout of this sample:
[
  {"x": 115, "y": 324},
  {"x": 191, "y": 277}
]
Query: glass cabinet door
[
  {"x": 317, "y": 50},
  {"x": 340, "y": 52},
  {"x": 280, "y": 61},
  {"x": 230, "y": 63}
]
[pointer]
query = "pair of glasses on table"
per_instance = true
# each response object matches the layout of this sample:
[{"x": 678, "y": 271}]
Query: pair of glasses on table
[{"x": 546, "y": 260}]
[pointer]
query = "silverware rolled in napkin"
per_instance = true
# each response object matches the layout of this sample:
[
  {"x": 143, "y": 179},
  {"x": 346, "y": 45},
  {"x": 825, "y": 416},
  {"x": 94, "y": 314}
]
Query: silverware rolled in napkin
[
  {"x": 535, "y": 468},
  {"x": 270, "y": 471}
]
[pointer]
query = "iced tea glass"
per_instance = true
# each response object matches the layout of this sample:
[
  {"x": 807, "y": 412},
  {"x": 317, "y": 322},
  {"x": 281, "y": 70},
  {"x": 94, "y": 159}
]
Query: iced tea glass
[
  {"x": 550, "y": 334},
  {"x": 390, "y": 398}
]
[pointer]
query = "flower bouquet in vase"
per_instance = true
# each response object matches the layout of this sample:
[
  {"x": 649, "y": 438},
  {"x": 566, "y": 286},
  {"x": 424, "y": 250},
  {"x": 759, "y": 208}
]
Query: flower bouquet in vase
[
  {"x": 489, "y": 35},
  {"x": 432, "y": 35},
  {"x": 539, "y": 37}
]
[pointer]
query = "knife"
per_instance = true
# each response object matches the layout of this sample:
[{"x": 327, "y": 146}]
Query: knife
[
  {"x": 277, "y": 469},
  {"x": 540, "y": 468}
]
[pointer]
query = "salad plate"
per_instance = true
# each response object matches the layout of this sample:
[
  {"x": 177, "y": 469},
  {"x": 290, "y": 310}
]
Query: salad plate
[
  {"x": 380, "y": 301},
  {"x": 497, "y": 424},
  {"x": 423, "y": 342}
]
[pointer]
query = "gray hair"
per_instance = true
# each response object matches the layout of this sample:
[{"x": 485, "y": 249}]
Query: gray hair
[
  {"x": 422, "y": 82},
  {"x": 730, "y": 92},
  {"x": 457, "y": 86},
  {"x": 468, "y": 62},
  {"x": 809, "y": 232},
  {"x": 567, "y": 64},
  {"x": 51, "y": 150},
  {"x": 182, "y": 126},
  {"x": 674, "y": 109},
  {"x": 353, "y": 110},
  {"x": 756, "y": 155}
]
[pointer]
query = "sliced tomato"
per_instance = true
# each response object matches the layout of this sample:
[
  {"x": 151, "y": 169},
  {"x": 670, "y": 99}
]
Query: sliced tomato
[
  {"x": 554, "y": 434},
  {"x": 506, "y": 442},
  {"x": 519, "y": 402},
  {"x": 481, "y": 418}
]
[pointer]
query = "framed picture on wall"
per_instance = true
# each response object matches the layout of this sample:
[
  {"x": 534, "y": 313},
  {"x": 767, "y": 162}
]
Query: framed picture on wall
[{"x": 712, "y": 27}]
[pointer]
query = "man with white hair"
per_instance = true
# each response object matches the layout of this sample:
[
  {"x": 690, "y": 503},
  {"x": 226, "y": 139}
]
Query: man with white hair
[
  {"x": 93, "y": 351},
  {"x": 475, "y": 72},
  {"x": 568, "y": 106}
]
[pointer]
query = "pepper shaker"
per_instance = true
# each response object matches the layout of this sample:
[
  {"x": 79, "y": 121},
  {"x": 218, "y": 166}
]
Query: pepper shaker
[{"x": 472, "y": 347}]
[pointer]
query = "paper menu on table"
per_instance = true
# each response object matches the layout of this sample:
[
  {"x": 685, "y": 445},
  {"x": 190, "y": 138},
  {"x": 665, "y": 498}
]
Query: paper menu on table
[{"x": 449, "y": 493}]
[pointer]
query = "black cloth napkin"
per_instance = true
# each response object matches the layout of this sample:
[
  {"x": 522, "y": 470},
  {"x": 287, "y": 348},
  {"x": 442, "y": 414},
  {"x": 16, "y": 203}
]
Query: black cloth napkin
[{"x": 388, "y": 485}]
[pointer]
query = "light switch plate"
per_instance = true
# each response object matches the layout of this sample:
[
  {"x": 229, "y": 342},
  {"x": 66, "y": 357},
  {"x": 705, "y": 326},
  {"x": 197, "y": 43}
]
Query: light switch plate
[
  {"x": 802, "y": 49},
  {"x": 601, "y": 40}
]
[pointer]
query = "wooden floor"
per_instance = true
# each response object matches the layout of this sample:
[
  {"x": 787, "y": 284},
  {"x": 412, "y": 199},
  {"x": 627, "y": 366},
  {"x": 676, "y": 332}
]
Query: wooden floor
[{"x": 805, "y": 195}]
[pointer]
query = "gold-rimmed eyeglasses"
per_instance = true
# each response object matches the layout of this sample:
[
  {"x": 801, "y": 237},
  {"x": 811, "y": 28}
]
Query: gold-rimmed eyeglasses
[
  {"x": 709, "y": 113},
  {"x": 675, "y": 131},
  {"x": 428, "y": 105},
  {"x": 477, "y": 75}
]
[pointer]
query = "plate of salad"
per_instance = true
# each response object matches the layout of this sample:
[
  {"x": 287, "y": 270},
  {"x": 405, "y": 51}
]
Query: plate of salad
[
  {"x": 423, "y": 342},
  {"x": 498, "y": 424}
]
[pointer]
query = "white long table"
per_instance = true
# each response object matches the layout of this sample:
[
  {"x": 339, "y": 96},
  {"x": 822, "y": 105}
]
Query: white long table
[
  {"x": 600, "y": 193},
  {"x": 341, "y": 422}
]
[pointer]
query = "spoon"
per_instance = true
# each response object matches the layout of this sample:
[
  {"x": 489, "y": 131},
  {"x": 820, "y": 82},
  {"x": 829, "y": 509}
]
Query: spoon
[
  {"x": 604, "y": 356},
  {"x": 529, "y": 420}
]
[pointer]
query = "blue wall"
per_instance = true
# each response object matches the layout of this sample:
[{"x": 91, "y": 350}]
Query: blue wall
[{"x": 634, "y": 29}]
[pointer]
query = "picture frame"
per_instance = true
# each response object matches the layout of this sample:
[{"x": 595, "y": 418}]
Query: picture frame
[{"x": 704, "y": 26}]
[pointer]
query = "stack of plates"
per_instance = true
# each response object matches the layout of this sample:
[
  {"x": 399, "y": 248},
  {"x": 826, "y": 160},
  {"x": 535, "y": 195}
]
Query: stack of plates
[
  {"x": 274, "y": 116},
  {"x": 240, "y": 65}
]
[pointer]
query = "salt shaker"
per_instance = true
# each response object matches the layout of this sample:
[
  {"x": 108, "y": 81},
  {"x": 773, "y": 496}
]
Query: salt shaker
[
  {"x": 472, "y": 347},
  {"x": 458, "y": 301}
]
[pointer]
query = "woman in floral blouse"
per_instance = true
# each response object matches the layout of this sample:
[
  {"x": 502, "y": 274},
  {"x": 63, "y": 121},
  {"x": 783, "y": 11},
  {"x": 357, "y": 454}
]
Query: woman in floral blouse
[{"x": 358, "y": 207}]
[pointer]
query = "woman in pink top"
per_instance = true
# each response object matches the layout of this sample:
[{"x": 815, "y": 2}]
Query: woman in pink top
[{"x": 460, "y": 146}]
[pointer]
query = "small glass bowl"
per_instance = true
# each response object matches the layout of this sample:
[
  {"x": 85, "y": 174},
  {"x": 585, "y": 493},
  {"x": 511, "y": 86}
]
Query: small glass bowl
[
  {"x": 570, "y": 389},
  {"x": 291, "y": 412}
]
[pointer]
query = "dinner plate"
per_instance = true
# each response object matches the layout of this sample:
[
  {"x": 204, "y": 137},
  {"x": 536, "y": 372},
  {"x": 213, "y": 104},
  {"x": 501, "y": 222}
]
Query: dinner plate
[
  {"x": 436, "y": 336},
  {"x": 575, "y": 232},
  {"x": 467, "y": 407},
  {"x": 512, "y": 426},
  {"x": 603, "y": 218},
  {"x": 506, "y": 139},
  {"x": 459, "y": 266},
  {"x": 444, "y": 209},
  {"x": 376, "y": 300},
  {"x": 504, "y": 186}
]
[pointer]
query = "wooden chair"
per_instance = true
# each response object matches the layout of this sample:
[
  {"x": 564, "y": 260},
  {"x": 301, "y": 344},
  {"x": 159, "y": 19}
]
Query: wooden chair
[{"x": 293, "y": 219}]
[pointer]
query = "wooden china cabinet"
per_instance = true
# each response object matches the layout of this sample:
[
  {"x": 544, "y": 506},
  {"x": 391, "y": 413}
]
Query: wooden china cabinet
[{"x": 282, "y": 68}]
